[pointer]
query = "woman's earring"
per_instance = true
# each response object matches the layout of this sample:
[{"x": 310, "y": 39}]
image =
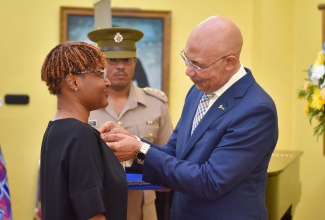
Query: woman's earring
[{"x": 76, "y": 89}]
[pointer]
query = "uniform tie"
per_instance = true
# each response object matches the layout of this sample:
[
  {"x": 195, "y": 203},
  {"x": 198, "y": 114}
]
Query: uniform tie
[{"x": 201, "y": 109}]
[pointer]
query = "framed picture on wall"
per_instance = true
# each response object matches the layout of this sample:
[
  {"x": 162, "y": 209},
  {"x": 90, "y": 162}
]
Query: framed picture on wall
[{"x": 153, "y": 50}]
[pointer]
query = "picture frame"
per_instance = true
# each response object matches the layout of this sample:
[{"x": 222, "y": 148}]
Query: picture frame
[{"x": 153, "y": 50}]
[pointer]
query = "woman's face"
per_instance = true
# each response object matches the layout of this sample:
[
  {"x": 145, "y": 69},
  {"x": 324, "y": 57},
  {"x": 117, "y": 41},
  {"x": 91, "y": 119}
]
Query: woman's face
[{"x": 93, "y": 89}]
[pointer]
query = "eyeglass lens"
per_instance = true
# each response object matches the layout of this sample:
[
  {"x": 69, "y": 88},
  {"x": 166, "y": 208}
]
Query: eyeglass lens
[{"x": 115, "y": 61}]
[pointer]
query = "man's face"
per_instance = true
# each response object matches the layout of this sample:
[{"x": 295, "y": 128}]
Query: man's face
[
  {"x": 120, "y": 72},
  {"x": 212, "y": 76}
]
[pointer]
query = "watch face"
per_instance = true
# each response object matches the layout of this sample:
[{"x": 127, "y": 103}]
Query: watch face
[{"x": 141, "y": 156}]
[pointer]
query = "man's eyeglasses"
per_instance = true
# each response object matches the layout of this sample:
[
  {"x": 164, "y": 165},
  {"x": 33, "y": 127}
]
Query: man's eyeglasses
[
  {"x": 115, "y": 61},
  {"x": 103, "y": 73},
  {"x": 197, "y": 67}
]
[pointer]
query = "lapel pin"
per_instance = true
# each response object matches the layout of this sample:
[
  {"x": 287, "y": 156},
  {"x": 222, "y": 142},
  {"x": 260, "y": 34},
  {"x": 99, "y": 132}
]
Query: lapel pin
[{"x": 221, "y": 107}]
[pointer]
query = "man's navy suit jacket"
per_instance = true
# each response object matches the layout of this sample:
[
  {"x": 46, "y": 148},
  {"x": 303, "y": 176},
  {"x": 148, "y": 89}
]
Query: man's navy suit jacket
[{"x": 220, "y": 171}]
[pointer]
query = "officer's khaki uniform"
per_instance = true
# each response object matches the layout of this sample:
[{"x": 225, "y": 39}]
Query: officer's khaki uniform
[{"x": 146, "y": 115}]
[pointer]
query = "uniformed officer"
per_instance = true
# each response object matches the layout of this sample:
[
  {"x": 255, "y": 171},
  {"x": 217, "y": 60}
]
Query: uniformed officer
[{"x": 143, "y": 112}]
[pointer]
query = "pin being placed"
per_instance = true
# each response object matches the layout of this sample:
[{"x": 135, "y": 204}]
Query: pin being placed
[{"x": 221, "y": 107}]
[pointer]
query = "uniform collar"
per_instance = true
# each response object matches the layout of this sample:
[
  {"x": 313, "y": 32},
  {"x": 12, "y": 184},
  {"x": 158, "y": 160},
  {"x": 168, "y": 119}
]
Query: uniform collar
[{"x": 136, "y": 96}]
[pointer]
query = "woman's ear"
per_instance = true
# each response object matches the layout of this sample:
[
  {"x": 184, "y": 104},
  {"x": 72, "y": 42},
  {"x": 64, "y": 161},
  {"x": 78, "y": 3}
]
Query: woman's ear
[{"x": 71, "y": 81}]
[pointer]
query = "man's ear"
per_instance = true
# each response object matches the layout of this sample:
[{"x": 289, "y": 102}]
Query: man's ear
[
  {"x": 231, "y": 62},
  {"x": 71, "y": 81}
]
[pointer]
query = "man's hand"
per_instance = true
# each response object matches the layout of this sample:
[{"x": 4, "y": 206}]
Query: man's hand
[
  {"x": 125, "y": 147},
  {"x": 112, "y": 128}
]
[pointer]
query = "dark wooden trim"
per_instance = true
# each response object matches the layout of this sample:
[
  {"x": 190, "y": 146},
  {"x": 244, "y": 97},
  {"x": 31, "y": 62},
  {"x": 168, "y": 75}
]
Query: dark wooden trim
[{"x": 127, "y": 12}]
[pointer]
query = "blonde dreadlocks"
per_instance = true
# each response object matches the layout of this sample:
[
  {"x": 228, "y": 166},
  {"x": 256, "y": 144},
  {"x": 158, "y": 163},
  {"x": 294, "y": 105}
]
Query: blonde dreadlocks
[{"x": 69, "y": 57}]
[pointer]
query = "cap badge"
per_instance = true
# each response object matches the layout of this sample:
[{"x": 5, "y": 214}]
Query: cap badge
[{"x": 118, "y": 37}]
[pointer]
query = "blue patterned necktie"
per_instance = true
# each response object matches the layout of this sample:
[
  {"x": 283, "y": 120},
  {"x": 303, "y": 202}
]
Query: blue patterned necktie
[{"x": 201, "y": 109}]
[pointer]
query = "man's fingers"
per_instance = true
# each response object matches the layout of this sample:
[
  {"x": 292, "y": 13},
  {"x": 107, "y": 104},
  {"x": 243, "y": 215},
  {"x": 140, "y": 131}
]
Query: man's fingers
[
  {"x": 111, "y": 145},
  {"x": 106, "y": 127},
  {"x": 107, "y": 137}
]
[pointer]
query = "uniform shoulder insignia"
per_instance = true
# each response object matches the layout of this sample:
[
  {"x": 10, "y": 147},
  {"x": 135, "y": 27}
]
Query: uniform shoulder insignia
[{"x": 156, "y": 93}]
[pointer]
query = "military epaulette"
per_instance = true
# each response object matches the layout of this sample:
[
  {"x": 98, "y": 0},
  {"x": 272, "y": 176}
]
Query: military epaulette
[{"x": 156, "y": 93}]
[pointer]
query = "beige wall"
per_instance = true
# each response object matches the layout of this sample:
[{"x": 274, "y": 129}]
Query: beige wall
[{"x": 281, "y": 38}]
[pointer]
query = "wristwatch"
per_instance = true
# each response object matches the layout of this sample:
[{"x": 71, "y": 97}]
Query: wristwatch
[{"x": 141, "y": 155}]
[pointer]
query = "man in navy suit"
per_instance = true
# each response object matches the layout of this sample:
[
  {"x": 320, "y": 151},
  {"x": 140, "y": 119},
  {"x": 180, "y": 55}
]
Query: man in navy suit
[{"x": 218, "y": 169}]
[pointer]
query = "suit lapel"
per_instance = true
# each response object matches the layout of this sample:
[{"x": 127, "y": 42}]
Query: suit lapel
[
  {"x": 222, "y": 105},
  {"x": 187, "y": 119},
  {"x": 192, "y": 112}
]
